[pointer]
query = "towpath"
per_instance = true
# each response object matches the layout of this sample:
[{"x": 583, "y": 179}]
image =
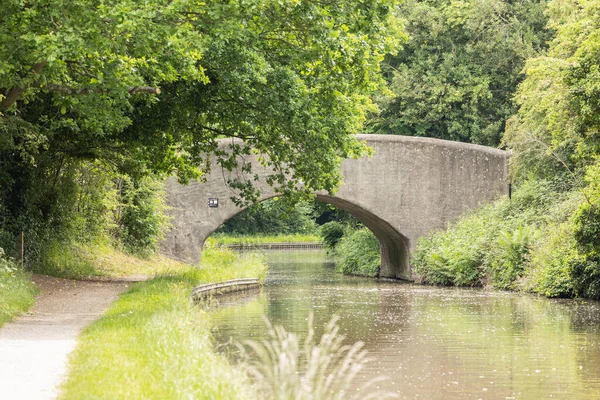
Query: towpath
[{"x": 34, "y": 348}]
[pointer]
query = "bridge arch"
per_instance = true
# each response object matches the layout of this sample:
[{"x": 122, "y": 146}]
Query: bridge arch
[
  {"x": 409, "y": 187},
  {"x": 393, "y": 246}
]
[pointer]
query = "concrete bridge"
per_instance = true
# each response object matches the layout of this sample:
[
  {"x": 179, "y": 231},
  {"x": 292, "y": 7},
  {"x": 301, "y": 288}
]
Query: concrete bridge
[{"x": 408, "y": 188}]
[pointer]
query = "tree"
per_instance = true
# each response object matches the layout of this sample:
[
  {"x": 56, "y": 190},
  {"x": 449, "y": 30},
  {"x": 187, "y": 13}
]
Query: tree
[
  {"x": 272, "y": 217},
  {"x": 292, "y": 78},
  {"x": 455, "y": 77},
  {"x": 149, "y": 87},
  {"x": 556, "y": 128}
]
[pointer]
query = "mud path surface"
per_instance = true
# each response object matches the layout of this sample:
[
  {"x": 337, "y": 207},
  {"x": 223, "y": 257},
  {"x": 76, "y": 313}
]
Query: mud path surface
[{"x": 34, "y": 348}]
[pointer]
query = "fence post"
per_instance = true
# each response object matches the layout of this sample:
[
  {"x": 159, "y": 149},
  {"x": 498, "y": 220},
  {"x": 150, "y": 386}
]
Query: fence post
[{"x": 20, "y": 257}]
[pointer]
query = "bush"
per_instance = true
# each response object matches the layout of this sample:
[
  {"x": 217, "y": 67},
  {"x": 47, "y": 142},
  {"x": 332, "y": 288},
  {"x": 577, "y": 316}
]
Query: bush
[
  {"x": 358, "y": 253},
  {"x": 429, "y": 265},
  {"x": 585, "y": 274},
  {"x": 492, "y": 245},
  {"x": 507, "y": 259},
  {"x": 141, "y": 219},
  {"x": 456, "y": 256},
  {"x": 551, "y": 261},
  {"x": 272, "y": 217},
  {"x": 331, "y": 233},
  {"x": 61, "y": 203},
  {"x": 586, "y": 270}
]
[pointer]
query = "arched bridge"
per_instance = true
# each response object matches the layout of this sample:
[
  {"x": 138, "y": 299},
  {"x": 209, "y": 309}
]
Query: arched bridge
[{"x": 409, "y": 187}]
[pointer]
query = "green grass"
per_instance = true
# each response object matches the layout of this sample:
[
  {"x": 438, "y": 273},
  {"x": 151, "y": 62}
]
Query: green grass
[
  {"x": 224, "y": 240},
  {"x": 17, "y": 291},
  {"x": 153, "y": 343},
  {"x": 81, "y": 261}
]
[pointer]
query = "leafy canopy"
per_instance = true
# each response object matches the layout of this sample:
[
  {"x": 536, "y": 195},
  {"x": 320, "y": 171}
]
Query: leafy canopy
[
  {"x": 151, "y": 85},
  {"x": 556, "y": 129},
  {"x": 455, "y": 77}
]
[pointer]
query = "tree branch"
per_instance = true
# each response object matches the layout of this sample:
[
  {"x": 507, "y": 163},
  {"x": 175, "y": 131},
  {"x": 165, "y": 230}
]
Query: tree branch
[
  {"x": 84, "y": 91},
  {"x": 16, "y": 92},
  {"x": 227, "y": 134}
]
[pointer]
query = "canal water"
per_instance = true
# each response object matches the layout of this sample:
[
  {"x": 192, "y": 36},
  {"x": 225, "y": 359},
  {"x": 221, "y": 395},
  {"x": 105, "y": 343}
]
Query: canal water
[{"x": 430, "y": 342}]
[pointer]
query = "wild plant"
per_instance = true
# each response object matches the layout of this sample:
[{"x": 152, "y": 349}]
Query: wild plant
[
  {"x": 284, "y": 367},
  {"x": 6, "y": 264},
  {"x": 508, "y": 257}
]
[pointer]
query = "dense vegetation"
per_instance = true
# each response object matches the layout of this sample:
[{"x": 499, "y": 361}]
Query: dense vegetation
[
  {"x": 99, "y": 101},
  {"x": 96, "y": 207},
  {"x": 273, "y": 217},
  {"x": 548, "y": 238},
  {"x": 357, "y": 253},
  {"x": 455, "y": 77},
  {"x": 514, "y": 244},
  {"x": 353, "y": 246}
]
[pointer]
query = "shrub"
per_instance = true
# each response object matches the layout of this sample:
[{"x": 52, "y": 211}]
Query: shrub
[
  {"x": 142, "y": 221},
  {"x": 507, "y": 259},
  {"x": 271, "y": 217},
  {"x": 331, "y": 233},
  {"x": 429, "y": 265},
  {"x": 456, "y": 256},
  {"x": 585, "y": 274},
  {"x": 358, "y": 253},
  {"x": 492, "y": 244},
  {"x": 586, "y": 270},
  {"x": 65, "y": 203},
  {"x": 551, "y": 261}
]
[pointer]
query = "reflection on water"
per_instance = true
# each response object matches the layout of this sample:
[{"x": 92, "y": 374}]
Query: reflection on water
[{"x": 432, "y": 343}]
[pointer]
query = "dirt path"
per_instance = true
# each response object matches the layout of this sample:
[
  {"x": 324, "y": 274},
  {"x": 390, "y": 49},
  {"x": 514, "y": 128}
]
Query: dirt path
[{"x": 34, "y": 348}]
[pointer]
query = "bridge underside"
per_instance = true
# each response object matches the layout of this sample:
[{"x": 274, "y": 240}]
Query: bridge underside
[{"x": 394, "y": 247}]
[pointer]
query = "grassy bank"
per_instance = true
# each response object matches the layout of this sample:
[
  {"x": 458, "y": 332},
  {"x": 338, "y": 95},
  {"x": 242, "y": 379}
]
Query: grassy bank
[
  {"x": 242, "y": 240},
  {"x": 17, "y": 292},
  {"x": 534, "y": 242},
  {"x": 154, "y": 344},
  {"x": 81, "y": 261}
]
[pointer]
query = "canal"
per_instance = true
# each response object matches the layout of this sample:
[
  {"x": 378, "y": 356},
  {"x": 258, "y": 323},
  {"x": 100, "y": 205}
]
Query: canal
[{"x": 430, "y": 342}]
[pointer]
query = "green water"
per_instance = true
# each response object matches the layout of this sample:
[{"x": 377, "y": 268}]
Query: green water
[{"x": 430, "y": 342}]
